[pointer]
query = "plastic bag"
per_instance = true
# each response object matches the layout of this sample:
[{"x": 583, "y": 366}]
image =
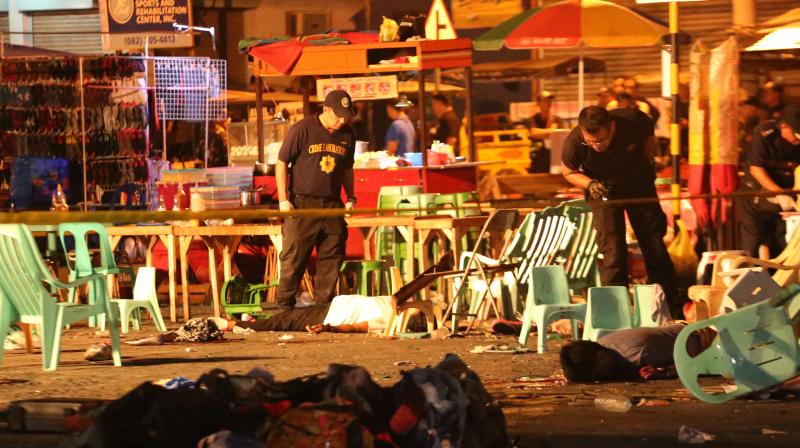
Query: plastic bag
[
  {"x": 682, "y": 253},
  {"x": 388, "y": 31}
]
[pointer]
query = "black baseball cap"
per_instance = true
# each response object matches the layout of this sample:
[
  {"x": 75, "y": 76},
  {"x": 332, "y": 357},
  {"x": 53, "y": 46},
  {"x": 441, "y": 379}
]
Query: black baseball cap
[
  {"x": 341, "y": 103},
  {"x": 791, "y": 116}
]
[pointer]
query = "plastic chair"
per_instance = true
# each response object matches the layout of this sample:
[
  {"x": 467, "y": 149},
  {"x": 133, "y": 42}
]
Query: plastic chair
[
  {"x": 239, "y": 297},
  {"x": 398, "y": 321},
  {"x": 644, "y": 306},
  {"x": 83, "y": 266},
  {"x": 549, "y": 300},
  {"x": 25, "y": 298},
  {"x": 144, "y": 296},
  {"x": 362, "y": 270},
  {"x": 129, "y": 308},
  {"x": 500, "y": 223},
  {"x": 608, "y": 309},
  {"x": 755, "y": 346},
  {"x": 581, "y": 254}
]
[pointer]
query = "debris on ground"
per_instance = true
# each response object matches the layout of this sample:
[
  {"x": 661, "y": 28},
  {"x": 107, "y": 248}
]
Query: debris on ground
[
  {"x": 189, "y": 350},
  {"x": 445, "y": 405},
  {"x": 239, "y": 330},
  {"x": 286, "y": 337},
  {"x": 98, "y": 352},
  {"x": 504, "y": 348},
  {"x": 687, "y": 434},
  {"x": 652, "y": 402},
  {"x": 613, "y": 403},
  {"x": 404, "y": 363},
  {"x": 771, "y": 432},
  {"x": 16, "y": 341}
]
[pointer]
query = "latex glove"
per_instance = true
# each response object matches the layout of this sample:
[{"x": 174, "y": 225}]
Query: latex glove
[
  {"x": 597, "y": 189},
  {"x": 785, "y": 202},
  {"x": 285, "y": 206},
  {"x": 348, "y": 205}
]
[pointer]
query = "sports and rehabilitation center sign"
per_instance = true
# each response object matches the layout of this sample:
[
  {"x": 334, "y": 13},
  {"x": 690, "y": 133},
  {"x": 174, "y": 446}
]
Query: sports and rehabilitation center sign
[{"x": 128, "y": 24}]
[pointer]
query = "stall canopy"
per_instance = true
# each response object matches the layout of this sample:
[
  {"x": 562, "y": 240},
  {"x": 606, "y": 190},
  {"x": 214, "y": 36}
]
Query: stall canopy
[
  {"x": 783, "y": 38},
  {"x": 574, "y": 24},
  {"x": 243, "y": 97},
  {"x": 508, "y": 71}
]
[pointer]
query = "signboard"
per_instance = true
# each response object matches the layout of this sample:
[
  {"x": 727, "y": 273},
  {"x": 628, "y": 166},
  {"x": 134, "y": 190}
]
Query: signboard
[
  {"x": 438, "y": 25},
  {"x": 363, "y": 88},
  {"x": 127, "y": 23},
  {"x": 483, "y": 13}
]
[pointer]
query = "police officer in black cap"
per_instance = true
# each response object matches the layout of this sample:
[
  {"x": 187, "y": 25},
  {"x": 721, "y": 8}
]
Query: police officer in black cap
[
  {"x": 610, "y": 154},
  {"x": 770, "y": 166},
  {"x": 314, "y": 163}
]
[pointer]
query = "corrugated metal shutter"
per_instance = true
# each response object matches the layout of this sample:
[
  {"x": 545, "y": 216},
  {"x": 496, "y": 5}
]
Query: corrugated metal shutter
[
  {"x": 72, "y": 22},
  {"x": 4, "y": 23},
  {"x": 708, "y": 20}
]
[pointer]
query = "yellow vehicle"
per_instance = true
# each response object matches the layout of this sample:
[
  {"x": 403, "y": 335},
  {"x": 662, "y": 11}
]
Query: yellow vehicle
[{"x": 511, "y": 146}]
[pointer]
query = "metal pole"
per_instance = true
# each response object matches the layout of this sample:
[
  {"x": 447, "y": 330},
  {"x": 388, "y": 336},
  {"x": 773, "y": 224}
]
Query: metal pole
[
  {"x": 260, "y": 118},
  {"x": 83, "y": 135},
  {"x": 208, "y": 98},
  {"x": 423, "y": 123},
  {"x": 674, "y": 127},
  {"x": 468, "y": 113}
]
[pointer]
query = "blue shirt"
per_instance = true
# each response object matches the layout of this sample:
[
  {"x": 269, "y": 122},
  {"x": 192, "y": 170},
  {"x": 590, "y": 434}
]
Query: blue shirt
[{"x": 402, "y": 131}]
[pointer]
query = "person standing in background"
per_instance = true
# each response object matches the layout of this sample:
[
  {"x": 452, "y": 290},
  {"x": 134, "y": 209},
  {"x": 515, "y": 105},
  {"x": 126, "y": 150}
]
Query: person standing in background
[
  {"x": 401, "y": 136},
  {"x": 772, "y": 100},
  {"x": 541, "y": 126},
  {"x": 448, "y": 126},
  {"x": 771, "y": 164}
]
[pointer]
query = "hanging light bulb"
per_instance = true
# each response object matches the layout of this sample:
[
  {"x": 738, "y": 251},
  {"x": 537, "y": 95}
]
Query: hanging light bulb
[{"x": 403, "y": 102}]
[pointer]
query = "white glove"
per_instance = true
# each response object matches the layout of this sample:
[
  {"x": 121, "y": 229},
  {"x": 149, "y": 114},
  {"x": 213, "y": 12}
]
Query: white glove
[
  {"x": 785, "y": 202},
  {"x": 285, "y": 206},
  {"x": 348, "y": 205}
]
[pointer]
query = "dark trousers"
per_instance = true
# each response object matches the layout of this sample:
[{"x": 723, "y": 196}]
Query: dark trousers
[
  {"x": 300, "y": 236},
  {"x": 760, "y": 223},
  {"x": 290, "y": 320},
  {"x": 649, "y": 224}
]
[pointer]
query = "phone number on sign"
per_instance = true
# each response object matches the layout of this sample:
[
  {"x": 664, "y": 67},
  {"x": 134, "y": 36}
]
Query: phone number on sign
[{"x": 139, "y": 40}]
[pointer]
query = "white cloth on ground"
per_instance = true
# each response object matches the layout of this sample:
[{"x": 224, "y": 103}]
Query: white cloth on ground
[{"x": 351, "y": 309}]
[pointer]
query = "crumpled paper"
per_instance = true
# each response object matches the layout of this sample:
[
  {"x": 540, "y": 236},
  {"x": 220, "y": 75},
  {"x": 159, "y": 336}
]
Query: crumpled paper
[{"x": 687, "y": 434}]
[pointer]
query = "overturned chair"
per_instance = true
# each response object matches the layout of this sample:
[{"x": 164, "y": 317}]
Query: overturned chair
[{"x": 755, "y": 346}]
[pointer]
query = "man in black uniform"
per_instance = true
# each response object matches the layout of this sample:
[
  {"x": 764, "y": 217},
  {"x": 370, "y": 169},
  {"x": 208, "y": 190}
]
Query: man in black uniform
[
  {"x": 610, "y": 155},
  {"x": 320, "y": 149},
  {"x": 771, "y": 163}
]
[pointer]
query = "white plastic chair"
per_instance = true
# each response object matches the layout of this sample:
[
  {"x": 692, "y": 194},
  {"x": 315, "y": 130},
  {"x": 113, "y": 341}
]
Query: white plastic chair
[{"x": 144, "y": 296}]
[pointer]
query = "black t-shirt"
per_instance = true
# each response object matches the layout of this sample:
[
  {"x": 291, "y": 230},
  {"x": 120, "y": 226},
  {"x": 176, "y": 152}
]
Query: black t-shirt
[
  {"x": 319, "y": 158},
  {"x": 448, "y": 126},
  {"x": 623, "y": 166},
  {"x": 773, "y": 153}
]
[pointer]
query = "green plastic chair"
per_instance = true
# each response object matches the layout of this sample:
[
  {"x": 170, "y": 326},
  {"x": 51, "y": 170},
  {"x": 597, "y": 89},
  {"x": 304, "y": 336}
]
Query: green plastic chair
[
  {"x": 24, "y": 296},
  {"x": 130, "y": 309},
  {"x": 755, "y": 346},
  {"x": 644, "y": 306},
  {"x": 548, "y": 300},
  {"x": 608, "y": 309},
  {"x": 362, "y": 269},
  {"x": 581, "y": 254},
  {"x": 389, "y": 244},
  {"x": 239, "y": 297}
]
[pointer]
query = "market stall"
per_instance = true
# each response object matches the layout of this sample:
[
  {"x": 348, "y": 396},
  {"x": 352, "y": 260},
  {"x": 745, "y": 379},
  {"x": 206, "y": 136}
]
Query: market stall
[{"x": 371, "y": 58}]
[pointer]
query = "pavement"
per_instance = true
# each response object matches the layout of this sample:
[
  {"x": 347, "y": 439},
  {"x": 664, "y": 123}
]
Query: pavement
[{"x": 541, "y": 411}]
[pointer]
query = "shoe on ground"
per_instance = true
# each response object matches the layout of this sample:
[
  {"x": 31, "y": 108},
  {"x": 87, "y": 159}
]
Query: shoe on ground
[{"x": 98, "y": 352}]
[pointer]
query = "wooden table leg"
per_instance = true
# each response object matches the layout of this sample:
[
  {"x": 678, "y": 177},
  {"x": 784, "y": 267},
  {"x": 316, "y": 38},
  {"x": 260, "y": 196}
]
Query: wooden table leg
[
  {"x": 212, "y": 272},
  {"x": 183, "y": 248},
  {"x": 169, "y": 243}
]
